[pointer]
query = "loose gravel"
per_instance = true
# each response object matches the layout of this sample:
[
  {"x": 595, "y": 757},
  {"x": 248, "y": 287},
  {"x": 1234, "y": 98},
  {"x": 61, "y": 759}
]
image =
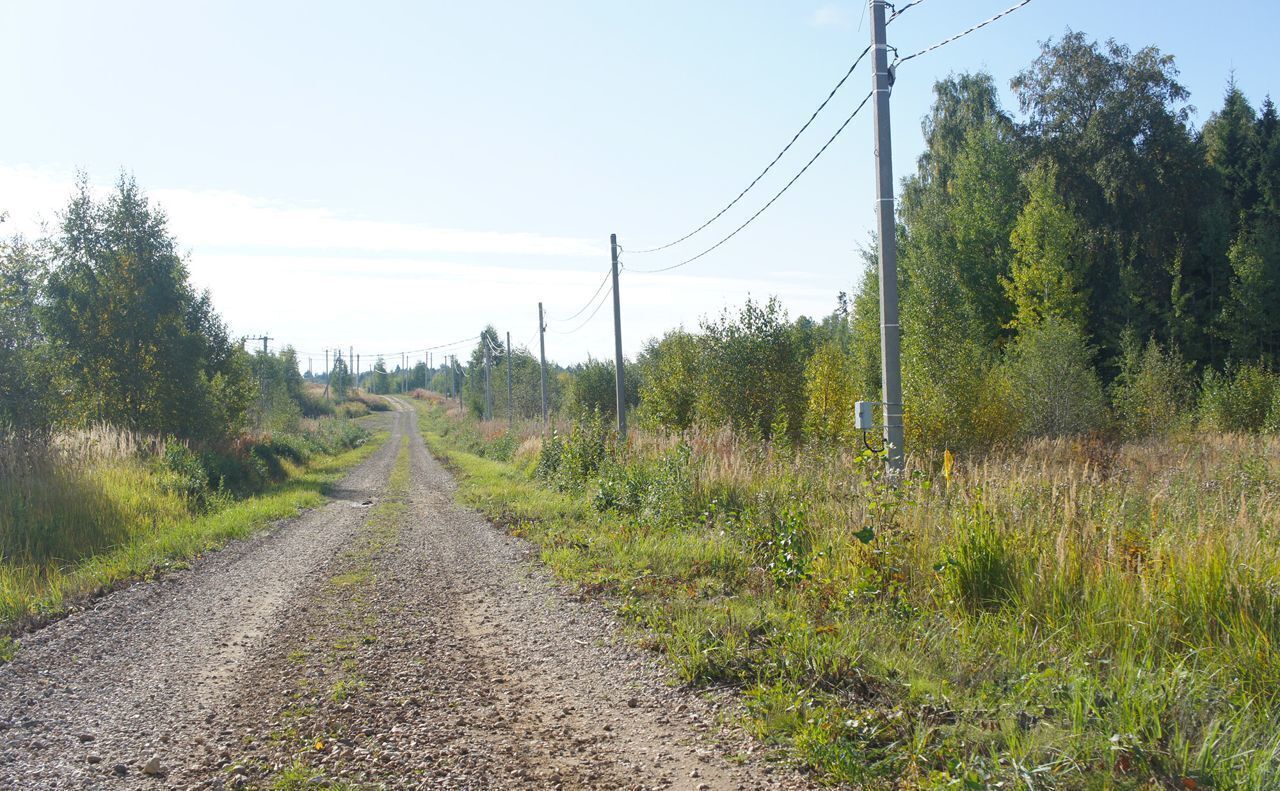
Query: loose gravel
[{"x": 405, "y": 645}]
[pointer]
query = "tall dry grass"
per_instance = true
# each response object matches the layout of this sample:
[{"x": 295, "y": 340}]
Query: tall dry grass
[{"x": 1070, "y": 613}]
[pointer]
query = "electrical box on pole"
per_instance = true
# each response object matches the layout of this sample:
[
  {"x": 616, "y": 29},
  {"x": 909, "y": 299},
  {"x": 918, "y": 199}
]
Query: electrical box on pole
[{"x": 864, "y": 415}]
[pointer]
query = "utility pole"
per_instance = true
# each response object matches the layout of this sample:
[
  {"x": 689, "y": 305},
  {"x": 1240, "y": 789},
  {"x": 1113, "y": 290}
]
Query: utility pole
[
  {"x": 262, "y": 378},
  {"x": 890, "y": 357},
  {"x": 488, "y": 391},
  {"x": 617, "y": 343},
  {"x": 542, "y": 354},
  {"x": 511, "y": 405},
  {"x": 326, "y": 374},
  {"x": 357, "y": 370}
]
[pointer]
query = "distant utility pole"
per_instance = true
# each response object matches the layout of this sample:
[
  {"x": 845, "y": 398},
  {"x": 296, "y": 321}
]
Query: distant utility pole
[
  {"x": 357, "y": 370},
  {"x": 326, "y": 374},
  {"x": 488, "y": 391},
  {"x": 617, "y": 343},
  {"x": 511, "y": 406},
  {"x": 890, "y": 357},
  {"x": 262, "y": 377},
  {"x": 542, "y": 354}
]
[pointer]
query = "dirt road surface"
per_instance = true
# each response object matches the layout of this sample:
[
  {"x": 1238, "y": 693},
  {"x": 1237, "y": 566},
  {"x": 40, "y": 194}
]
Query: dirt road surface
[{"x": 405, "y": 643}]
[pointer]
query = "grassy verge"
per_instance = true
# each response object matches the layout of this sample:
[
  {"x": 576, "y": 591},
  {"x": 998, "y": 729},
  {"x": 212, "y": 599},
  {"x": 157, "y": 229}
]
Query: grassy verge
[
  {"x": 1071, "y": 617},
  {"x": 153, "y": 530}
]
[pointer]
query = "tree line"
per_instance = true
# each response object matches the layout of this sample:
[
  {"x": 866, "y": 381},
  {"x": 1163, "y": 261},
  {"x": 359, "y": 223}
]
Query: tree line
[
  {"x": 1093, "y": 263},
  {"x": 99, "y": 324}
]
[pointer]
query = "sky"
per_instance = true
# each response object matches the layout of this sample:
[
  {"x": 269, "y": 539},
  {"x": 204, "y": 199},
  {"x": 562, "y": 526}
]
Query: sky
[{"x": 391, "y": 176}]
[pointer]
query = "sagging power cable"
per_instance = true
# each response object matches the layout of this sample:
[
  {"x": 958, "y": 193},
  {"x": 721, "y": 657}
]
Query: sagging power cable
[
  {"x": 768, "y": 167},
  {"x": 779, "y": 194},
  {"x": 963, "y": 33}
]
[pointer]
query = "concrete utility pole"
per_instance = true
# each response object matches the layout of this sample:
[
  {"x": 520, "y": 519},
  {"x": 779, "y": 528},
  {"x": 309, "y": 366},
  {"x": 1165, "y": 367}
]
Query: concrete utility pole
[
  {"x": 511, "y": 404},
  {"x": 326, "y": 374},
  {"x": 357, "y": 370},
  {"x": 488, "y": 391},
  {"x": 262, "y": 377},
  {"x": 542, "y": 353},
  {"x": 890, "y": 359},
  {"x": 617, "y": 343}
]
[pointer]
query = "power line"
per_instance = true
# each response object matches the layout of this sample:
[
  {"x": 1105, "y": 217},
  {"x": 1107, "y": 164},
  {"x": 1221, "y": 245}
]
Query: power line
[
  {"x": 779, "y": 194},
  {"x": 589, "y": 301},
  {"x": 897, "y": 12},
  {"x": 769, "y": 167},
  {"x": 588, "y": 319},
  {"x": 962, "y": 34}
]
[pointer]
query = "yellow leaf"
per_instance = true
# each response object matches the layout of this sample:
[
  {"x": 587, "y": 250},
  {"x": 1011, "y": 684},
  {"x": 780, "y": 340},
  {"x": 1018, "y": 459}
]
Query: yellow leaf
[{"x": 948, "y": 462}]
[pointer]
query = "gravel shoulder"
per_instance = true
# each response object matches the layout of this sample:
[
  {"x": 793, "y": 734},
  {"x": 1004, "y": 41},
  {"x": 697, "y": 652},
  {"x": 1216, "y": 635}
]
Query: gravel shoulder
[{"x": 408, "y": 645}]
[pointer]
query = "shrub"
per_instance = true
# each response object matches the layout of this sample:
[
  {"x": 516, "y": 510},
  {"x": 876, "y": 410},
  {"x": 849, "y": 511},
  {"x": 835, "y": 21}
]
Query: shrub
[
  {"x": 780, "y": 539},
  {"x": 573, "y": 460},
  {"x": 1152, "y": 392},
  {"x": 1238, "y": 401},
  {"x": 828, "y": 384},
  {"x": 1055, "y": 388},
  {"x": 670, "y": 391},
  {"x": 754, "y": 370},
  {"x": 184, "y": 473},
  {"x": 351, "y": 409},
  {"x": 594, "y": 389}
]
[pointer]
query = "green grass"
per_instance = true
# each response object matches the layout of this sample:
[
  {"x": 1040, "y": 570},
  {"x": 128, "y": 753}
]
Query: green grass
[
  {"x": 1056, "y": 618},
  {"x": 154, "y": 530}
]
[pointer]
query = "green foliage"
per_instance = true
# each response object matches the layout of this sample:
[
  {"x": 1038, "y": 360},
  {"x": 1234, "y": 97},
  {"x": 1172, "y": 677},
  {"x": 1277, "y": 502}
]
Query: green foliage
[
  {"x": 1055, "y": 389},
  {"x": 828, "y": 381},
  {"x": 780, "y": 540},
  {"x": 1153, "y": 393},
  {"x": 379, "y": 381},
  {"x": 141, "y": 347},
  {"x": 1250, "y": 320},
  {"x": 752, "y": 364},
  {"x": 673, "y": 380},
  {"x": 1240, "y": 400},
  {"x": 573, "y": 460},
  {"x": 593, "y": 389},
  {"x": 1049, "y": 270},
  {"x": 27, "y": 390}
]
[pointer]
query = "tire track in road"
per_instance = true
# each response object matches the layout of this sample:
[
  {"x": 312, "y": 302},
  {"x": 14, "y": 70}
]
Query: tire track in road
[
  {"x": 474, "y": 669},
  {"x": 412, "y": 645}
]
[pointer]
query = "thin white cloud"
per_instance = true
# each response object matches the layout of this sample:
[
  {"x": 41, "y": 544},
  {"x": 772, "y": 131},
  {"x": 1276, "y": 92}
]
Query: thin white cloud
[
  {"x": 221, "y": 219},
  {"x": 830, "y": 15},
  {"x": 315, "y": 280}
]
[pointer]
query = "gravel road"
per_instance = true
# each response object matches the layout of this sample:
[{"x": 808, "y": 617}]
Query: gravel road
[{"x": 408, "y": 644}]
